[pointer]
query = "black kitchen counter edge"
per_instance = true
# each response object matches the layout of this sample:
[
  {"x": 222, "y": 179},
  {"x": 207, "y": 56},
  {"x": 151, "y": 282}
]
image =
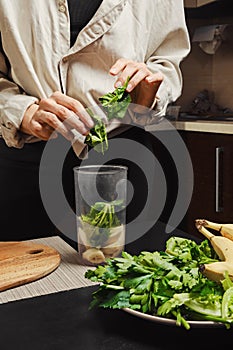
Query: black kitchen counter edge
[{"x": 64, "y": 321}]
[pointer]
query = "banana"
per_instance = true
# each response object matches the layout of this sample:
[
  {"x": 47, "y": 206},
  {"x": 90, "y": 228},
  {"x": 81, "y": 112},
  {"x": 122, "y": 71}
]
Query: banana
[
  {"x": 115, "y": 243},
  {"x": 117, "y": 233},
  {"x": 224, "y": 249},
  {"x": 226, "y": 230},
  {"x": 94, "y": 256},
  {"x": 112, "y": 251},
  {"x": 216, "y": 271}
]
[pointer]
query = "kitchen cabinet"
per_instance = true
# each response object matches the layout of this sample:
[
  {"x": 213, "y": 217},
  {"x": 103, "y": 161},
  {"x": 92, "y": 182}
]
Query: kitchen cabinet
[
  {"x": 197, "y": 3},
  {"x": 210, "y": 147},
  {"x": 212, "y": 159}
]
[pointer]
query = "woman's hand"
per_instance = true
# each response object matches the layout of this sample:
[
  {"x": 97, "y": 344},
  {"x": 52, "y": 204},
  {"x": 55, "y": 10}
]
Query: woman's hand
[
  {"x": 143, "y": 84},
  {"x": 59, "y": 113}
]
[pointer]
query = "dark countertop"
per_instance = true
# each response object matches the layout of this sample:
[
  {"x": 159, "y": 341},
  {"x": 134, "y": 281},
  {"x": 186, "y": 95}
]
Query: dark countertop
[{"x": 63, "y": 321}]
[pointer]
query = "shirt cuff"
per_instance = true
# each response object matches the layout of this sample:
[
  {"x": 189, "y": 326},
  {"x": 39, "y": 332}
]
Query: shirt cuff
[
  {"x": 153, "y": 114},
  {"x": 12, "y": 115},
  {"x": 79, "y": 147}
]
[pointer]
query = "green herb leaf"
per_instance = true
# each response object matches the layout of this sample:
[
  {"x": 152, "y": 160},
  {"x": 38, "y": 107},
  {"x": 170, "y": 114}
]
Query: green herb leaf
[
  {"x": 100, "y": 220},
  {"x": 116, "y": 103},
  {"x": 165, "y": 283},
  {"x": 97, "y": 137}
]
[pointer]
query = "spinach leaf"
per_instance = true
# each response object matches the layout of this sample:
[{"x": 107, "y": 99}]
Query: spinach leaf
[
  {"x": 97, "y": 137},
  {"x": 100, "y": 220},
  {"x": 115, "y": 105}
]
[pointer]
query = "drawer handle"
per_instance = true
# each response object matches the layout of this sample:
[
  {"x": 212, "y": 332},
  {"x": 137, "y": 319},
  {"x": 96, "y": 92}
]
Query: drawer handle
[{"x": 218, "y": 179}]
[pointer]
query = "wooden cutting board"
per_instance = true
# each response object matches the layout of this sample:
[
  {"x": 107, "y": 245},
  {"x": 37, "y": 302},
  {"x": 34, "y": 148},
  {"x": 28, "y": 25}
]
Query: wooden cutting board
[{"x": 23, "y": 262}]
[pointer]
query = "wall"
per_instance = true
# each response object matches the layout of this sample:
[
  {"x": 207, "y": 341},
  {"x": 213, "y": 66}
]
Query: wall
[{"x": 204, "y": 71}]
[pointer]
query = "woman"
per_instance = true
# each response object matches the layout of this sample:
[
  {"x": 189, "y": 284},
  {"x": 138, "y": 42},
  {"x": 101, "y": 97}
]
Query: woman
[{"x": 56, "y": 59}]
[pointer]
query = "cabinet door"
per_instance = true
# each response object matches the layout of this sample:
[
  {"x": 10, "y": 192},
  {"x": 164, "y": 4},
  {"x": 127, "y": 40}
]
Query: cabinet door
[{"x": 212, "y": 159}]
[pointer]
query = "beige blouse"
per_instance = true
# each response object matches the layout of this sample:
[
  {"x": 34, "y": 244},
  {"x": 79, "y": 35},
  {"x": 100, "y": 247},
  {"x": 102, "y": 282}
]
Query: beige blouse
[{"x": 36, "y": 58}]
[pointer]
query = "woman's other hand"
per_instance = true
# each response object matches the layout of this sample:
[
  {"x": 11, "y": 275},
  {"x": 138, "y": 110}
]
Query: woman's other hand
[
  {"x": 58, "y": 113},
  {"x": 143, "y": 84}
]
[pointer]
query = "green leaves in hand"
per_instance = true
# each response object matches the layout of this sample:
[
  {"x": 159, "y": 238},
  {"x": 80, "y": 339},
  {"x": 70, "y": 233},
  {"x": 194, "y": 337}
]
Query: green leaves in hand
[
  {"x": 116, "y": 103},
  {"x": 97, "y": 136}
]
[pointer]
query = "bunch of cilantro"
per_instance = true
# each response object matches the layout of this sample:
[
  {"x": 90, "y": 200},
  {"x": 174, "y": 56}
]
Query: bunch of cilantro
[
  {"x": 115, "y": 105},
  {"x": 165, "y": 283}
]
